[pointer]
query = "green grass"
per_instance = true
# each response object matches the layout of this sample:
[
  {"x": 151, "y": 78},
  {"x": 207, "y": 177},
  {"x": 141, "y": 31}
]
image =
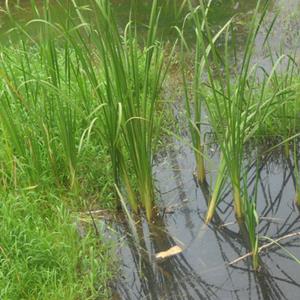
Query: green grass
[
  {"x": 192, "y": 95},
  {"x": 128, "y": 92},
  {"x": 251, "y": 222},
  {"x": 42, "y": 255},
  {"x": 283, "y": 122},
  {"x": 80, "y": 113}
]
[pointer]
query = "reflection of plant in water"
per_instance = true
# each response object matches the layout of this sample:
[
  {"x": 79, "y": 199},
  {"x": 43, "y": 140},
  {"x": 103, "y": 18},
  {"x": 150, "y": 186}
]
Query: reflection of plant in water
[
  {"x": 177, "y": 277},
  {"x": 173, "y": 277},
  {"x": 251, "y": 221}
]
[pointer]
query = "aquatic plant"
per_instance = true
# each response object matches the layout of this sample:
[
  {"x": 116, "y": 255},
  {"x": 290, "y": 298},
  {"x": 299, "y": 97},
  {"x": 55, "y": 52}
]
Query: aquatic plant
[
  {"x": 83, "y": 81},
  {"x": 238, "y": 102},
  {"x": 127, "y": 89},
  {"x": 193, "y": 98},
  {"x": 194, "y": 91},
  {"x": 215, "y": 196}
]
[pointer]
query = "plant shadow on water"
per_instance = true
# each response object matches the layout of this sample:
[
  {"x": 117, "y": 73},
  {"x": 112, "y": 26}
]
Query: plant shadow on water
[{"x": 202, "y": 270}]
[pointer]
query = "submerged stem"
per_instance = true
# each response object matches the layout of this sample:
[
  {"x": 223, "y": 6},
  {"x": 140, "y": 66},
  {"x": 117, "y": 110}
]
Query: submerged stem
[
  {"x": 297, "y": 198},
  {"x": 200, "y": 166},
  {"x": 216, "y": 192},
  {"x": 238, "y": 203}
]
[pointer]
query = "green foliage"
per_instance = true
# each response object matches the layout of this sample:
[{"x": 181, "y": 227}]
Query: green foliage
[
  {"x": 42, "y": 255},
  {"x": 237, "y": 101},
  {"x": 127, "y": 91},
  {"x": 284, "y": 120}
]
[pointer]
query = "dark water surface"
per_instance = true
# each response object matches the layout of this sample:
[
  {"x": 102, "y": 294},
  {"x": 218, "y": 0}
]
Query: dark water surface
[{"x": 201, "y": 271}]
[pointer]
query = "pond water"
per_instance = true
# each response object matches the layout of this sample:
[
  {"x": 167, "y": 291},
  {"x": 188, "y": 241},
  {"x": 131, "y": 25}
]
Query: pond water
[
  {"x": 172, "y": 15},
  {"x": 201, "y": 271}
]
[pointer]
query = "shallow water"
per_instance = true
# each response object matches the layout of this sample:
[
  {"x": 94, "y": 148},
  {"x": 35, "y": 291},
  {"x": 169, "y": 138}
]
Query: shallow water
[{"x": 201, "y": 270}]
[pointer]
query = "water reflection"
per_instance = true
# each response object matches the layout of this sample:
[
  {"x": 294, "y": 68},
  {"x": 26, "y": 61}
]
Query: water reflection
[{"x": 201, "y": 271}]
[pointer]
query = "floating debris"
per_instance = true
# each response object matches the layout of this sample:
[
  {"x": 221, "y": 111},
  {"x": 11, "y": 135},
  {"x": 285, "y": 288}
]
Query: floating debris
[{"x": 170, "y": 252}]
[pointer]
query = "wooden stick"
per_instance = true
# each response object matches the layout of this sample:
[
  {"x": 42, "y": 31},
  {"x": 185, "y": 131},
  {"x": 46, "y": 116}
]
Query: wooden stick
[{"x": 290, "y": 235}]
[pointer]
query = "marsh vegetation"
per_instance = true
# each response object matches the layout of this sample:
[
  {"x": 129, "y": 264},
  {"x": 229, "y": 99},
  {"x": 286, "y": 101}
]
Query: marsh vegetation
[{"x": 94, "y": 114}]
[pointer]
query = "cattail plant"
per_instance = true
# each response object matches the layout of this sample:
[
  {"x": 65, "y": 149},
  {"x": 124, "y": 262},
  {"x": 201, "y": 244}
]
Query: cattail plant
[
  {"x": 127, "y": 88},
  {"x": 237, "y": 102},
  {"x": 193, "y": 98},
  {"x": 193, "y": 93}
]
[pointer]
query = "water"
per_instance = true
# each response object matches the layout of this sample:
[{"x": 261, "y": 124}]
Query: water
[{"x": 202, "y": 271}]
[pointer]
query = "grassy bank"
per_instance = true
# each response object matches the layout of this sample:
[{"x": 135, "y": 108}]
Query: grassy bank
[{"x": 43, "y": 256}]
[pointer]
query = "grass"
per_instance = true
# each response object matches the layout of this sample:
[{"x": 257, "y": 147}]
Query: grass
[
  {"x": 193, "y": 99},
  {"x": 282, "y": 123},
  {"x": 251, "y": 222},
  {"x": 194, "y": 87},
  {"x": 42, "y": 255},
  {"x": 128, "y": 92},
  {"x": 80, "y": 114}
]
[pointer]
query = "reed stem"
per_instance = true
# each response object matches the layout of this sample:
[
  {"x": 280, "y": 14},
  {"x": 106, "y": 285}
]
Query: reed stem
[
  {"x": 255, "y": 260},
  {"x": 287, "y": 149},
  {"x": 297, "y": 198},
  {"x": 216, "y": 191},
  {"x": 200, "y": 167},
  {"x": 147, "y": 199},
  {"x": 238, "y": 207}
]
